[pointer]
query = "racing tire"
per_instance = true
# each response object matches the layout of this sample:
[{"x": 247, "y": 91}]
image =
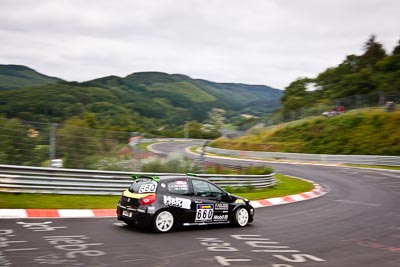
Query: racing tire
[
  {"x": 241, "y": 217},
  {"x": 163, "y": 221}
]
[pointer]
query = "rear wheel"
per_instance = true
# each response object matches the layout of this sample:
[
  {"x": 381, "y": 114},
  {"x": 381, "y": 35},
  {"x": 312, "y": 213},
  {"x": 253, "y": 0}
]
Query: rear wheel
[
  {"x": 163, "y": 221},
  {"x": 241, "y": 217}
]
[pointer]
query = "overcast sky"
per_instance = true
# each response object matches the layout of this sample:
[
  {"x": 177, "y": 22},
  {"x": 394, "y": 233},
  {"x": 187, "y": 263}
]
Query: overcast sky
[{"x": 270, "y": 42}]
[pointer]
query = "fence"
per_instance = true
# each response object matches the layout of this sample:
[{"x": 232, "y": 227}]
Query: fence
[
  {"x": 39, "y": 144},
  {"x": 377, "y": 99},
  {"x": 19, "y": 179}
]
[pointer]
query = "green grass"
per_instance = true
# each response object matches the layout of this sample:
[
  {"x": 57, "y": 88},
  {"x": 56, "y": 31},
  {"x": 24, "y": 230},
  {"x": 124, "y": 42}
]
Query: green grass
[
  {"x": 286, "y": 186},
  {"x": 374, "y": 166},
  {"x": 49, "y": 201},
  {"x": 277, "y": 160},
  {"x": 195, "y": 149},
  {"x": 360, "y": 132},
  {"x": 143, "y": 145}
]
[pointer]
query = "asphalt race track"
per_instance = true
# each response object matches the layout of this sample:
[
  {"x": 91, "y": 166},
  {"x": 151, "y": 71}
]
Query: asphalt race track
[{"x": 356, "y": 224}]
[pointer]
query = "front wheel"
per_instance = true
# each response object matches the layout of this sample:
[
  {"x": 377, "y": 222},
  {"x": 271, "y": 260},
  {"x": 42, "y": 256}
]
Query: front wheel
[
  {"x": 163, "y": 221},
  {"x": 241, "y": 217}
]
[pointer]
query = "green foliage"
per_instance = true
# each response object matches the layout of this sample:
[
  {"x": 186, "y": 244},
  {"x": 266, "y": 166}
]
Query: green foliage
[
  {"x": 241, "y": 189},
  {"x": 183, "y": 89},
  {"x": 157, "y": 103},
  {"x": 373, "y": 71},
  {"x": 254, "y": 170},
  {"x": 15, "y": 76},
  {"x": 20, "y": 144},
  {"x": 364, "y": 132},
  {"x": 174, "y": 163},
  {"x": 76, "y": 144},
  {"x": 195, "y": 131}
]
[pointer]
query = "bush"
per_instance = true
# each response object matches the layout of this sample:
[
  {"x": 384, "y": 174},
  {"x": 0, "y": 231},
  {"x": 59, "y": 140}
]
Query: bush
[
  {"x": 365, "y": 132},
  {"x": 174, "y": 163},
  {"x": 259, "y": 170}
]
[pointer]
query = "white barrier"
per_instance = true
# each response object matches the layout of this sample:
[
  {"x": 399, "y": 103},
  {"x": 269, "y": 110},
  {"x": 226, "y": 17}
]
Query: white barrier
[
  {"x": 23, "y": 179},
  {"x": 351, "y": 159}
]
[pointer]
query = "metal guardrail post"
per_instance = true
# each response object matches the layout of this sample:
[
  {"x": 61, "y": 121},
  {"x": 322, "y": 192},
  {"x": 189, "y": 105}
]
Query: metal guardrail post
[
  {"x": 53, "y": 142},
  {"x": 202, "y": 155}
]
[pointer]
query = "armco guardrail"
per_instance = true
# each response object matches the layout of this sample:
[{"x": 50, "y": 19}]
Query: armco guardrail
[
  {"x": 351, "y": 159},
  {"x": 23, "y": 179}
]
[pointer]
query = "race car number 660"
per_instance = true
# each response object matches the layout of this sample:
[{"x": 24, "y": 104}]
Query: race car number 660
[
  {"x": 204, "y": 214},
  {"x": 147, "y": 188}
]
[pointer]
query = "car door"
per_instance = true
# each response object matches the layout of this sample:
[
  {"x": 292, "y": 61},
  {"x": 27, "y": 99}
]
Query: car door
[
  {"x": 207, "y": 205},
  {"x": 177, "y": 196}
]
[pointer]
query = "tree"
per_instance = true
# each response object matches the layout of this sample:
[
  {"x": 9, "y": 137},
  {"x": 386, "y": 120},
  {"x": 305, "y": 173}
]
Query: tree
[
  {"x": 387, "y": 76},
  {"x": 76, "y": 143},
  {"x": 194, "y": 129},
  {"x": 216, "y": 118},
  {"x": 294, "y": 95},
  {"x": 370, "y": 72},
  {"x": 19, "y": 143},
  {"x": 396, "y": 50},
  {"x": 294, "y": 102},
  {"x": 374, "y": 52}
]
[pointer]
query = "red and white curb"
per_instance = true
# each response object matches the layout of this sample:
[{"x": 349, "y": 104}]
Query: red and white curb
[
  {"x": 90, "y": 213},
  {"x": 318, "y": 191},
  {"x": 56, "y": 213}
]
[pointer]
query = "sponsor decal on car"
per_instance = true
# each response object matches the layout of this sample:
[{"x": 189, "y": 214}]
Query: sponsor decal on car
[
  {"x": 179, "y": 186},
  {"x": 221, "y": 206},
  {"x": 178, "y": 202},
  {"x": 204, "y": 212},
  {"x": 220, "y": 218}
]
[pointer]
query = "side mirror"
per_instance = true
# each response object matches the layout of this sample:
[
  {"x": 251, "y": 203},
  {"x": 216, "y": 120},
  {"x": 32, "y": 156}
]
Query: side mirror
[{"x": 226, "y": 196}]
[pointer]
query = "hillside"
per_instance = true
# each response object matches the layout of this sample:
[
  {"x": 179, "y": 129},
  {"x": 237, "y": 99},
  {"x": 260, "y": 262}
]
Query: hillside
[
  {"x": 146, "y": 101},
  {"x": 195, "y": 90},
  {"x": 16, "y": 76},
  {"x": 359, "y": 132}
]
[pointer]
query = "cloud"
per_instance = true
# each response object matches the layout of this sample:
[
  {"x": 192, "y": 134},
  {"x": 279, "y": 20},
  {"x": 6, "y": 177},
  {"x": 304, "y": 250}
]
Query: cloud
[{"x": 270, "y": 42}]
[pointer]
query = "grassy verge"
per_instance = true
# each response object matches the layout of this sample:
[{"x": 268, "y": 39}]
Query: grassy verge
[
  {"x": 286, "y": 186},
  {"x": 49, "y": 201},
  {"x": 361, "y": 132},
  {"x": 194, "y": 149},
  {"x": 374, "y": 166},
  {"x": 143, "y": 146},
  {"x": 277, "y": 160}
]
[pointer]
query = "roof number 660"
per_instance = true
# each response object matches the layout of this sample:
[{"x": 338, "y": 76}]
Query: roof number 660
[{"x": 147, "y": 188}]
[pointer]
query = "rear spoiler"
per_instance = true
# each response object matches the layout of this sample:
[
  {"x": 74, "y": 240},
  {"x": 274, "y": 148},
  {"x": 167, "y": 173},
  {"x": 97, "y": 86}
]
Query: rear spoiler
[{"x": 138, "y": 176}]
